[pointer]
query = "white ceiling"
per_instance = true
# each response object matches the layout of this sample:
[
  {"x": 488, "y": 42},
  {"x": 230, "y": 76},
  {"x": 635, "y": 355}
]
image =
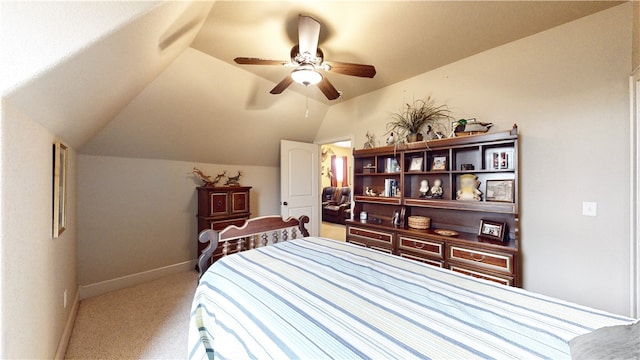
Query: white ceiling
[{"x": 158, "y": 81}]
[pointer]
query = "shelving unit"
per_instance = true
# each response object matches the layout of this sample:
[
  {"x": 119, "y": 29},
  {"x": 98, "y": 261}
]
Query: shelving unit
[{"x": 489, "y": 157}]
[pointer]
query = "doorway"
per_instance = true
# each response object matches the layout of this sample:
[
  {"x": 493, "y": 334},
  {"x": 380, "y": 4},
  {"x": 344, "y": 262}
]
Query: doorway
[{"x": 336, "y": 174}]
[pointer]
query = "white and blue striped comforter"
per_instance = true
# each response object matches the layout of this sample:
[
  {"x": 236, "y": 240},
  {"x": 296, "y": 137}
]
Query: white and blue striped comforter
[{"x": 315, "y": 298}]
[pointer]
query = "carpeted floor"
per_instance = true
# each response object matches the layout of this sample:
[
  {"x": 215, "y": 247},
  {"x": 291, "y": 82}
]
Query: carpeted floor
[
  {"x": 148, "y": 321},
  {"x": 333, "y": 231}
]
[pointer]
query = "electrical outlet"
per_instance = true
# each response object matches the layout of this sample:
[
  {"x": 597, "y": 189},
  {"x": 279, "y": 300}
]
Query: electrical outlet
[
  {"x": 589, "y": 208},
  {"x": 64, "y": 296}
]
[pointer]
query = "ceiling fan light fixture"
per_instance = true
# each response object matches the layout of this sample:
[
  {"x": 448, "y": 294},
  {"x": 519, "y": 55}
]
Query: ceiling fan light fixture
[{"x": 306, "y": 75}]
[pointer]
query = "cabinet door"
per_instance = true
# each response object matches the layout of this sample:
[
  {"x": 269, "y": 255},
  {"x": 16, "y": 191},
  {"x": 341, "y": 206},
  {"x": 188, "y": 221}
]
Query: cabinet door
[
  {"x": 219, "y": 203},
  {"x": 239, "y": 202}
]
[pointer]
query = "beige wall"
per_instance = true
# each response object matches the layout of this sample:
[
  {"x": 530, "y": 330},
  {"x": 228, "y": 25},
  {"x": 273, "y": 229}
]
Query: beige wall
[
  {"x": 326, "y": 164},
  {"x": 137, "y": 214},
  {"x": 36, "y": 269},
  {"x": 567, "y": 89}
]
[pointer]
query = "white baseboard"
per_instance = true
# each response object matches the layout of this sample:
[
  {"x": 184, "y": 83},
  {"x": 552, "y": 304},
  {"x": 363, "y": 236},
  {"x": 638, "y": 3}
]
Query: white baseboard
[
  {"x": 103, "y": 287},
  {"x": 68, "y": 328}
]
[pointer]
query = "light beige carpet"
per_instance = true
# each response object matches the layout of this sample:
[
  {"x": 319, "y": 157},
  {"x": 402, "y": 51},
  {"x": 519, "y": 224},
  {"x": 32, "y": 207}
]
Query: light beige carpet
[
  {"x": 333, "y": 231},
  {"x": 147, "y": 321}
]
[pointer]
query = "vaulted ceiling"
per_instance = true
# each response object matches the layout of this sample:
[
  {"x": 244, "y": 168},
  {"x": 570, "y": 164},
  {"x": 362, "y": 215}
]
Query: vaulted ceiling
[{"x": 157, "y": 80}]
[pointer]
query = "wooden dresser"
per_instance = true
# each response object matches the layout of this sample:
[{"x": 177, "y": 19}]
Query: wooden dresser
[{"x": 219, "y": 207}]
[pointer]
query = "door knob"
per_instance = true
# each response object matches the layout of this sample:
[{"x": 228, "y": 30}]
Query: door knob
[{"x": 285, "y": 203}]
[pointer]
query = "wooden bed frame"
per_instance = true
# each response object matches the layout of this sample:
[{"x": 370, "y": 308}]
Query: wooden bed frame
[{"x": 256, "y": 232}]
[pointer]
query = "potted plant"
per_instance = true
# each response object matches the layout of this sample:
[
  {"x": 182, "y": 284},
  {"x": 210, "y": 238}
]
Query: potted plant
[{"x": 408, "y": 123}]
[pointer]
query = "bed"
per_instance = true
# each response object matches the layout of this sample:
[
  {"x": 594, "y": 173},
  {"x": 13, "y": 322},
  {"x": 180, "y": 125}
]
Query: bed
[{"x": 313, "y": 298}]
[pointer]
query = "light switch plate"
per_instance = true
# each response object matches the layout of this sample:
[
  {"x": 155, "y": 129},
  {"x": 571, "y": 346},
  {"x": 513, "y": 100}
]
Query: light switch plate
[{"x": 589, "y": 208}]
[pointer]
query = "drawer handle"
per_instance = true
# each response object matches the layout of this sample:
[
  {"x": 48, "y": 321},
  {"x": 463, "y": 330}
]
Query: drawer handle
[
  {"x": 482, "y": 257},
  {"x": 219, "y": 202},
  {"x": 415, "y": 244}
]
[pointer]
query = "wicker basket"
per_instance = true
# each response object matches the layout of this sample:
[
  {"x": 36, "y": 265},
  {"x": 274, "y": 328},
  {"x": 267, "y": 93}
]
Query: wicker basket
[{"x": 419, "y": 222}]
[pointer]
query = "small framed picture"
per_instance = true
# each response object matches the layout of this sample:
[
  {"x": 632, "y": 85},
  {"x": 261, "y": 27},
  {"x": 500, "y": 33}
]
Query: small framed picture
[
  {"x": 500, "y": 159},
  {"x": 439, "y": 163},
  {"x": 416, "y": 164},
  {"x": 492, "y": 230},
  {"x": 500, "y": 190}
]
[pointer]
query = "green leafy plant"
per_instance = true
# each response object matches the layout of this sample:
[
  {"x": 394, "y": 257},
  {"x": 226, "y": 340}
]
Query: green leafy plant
[{"x": 413, "y": 117}]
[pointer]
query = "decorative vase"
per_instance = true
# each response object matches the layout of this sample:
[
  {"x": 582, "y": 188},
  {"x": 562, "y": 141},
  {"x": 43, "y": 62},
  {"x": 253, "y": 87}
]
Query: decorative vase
[{"x": 413, "y": 137}]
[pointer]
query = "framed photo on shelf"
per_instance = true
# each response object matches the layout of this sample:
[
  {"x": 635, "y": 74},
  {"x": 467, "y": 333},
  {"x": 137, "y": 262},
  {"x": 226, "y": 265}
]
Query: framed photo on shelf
[
  {"x": 439, "y": 163},
  {"x": 492, "y": 229},
  {"x": 416, "y": 164},
  {"x": 500, "y": 190},
  {"x": 500, "y": 159}
]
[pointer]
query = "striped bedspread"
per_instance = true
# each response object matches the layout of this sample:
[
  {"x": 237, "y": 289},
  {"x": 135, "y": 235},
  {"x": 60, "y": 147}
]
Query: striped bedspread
[{"x": 315, "y": 298}]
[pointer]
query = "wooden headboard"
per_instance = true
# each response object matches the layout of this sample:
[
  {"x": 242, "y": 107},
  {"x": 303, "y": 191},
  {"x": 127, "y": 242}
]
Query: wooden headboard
[{"x": 256, "y": 232}]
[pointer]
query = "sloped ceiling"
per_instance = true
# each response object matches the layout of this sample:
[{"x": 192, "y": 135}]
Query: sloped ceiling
[
  {"x": 159, "y": 81},
  {"x": 76, "y": 94}
]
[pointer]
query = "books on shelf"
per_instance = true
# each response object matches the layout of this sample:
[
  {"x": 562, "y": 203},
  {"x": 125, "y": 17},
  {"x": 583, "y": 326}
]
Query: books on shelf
[{"x": 391, "y": 188}]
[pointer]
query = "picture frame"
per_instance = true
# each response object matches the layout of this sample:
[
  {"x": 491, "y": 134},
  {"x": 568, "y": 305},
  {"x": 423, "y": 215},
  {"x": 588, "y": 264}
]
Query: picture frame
[
  {"x": 492, "y": 230},
  {"x": 500, "y": 159},
  {"x": 500, "y": 190},
  {"x": 439, "y": 163},
  {"x": 60, "y": 164},
  {"x": 416, "y": 164}
]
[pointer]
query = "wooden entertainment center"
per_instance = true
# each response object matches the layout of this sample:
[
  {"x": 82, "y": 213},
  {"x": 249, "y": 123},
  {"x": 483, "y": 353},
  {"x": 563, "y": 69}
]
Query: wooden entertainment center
[{"x": 491, "y": 158}]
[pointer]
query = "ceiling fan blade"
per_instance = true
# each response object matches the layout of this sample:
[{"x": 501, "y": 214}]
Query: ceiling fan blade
[
  {"x": 352, "y": 69},
  {"x": 256, "y": 61},
  {"x": 327, "y": 89},
  {"x": 282, "y": 85},
  {"x": 308, "y": 34}
]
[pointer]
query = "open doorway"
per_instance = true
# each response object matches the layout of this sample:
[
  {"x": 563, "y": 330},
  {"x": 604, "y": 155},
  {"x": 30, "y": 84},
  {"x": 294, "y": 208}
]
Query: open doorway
[{"x": 336, "y": 188}]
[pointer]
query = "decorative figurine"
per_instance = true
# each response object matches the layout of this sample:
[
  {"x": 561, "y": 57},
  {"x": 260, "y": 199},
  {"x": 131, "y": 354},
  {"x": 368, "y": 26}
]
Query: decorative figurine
[
  {"x": 390, "y": 140},
  {"x": 436, "y": 189},
  {"x": 234, "y": 180},
  {"x": 206, "y": 179},
  {"x": 368, "y": 191},
  {"x": 424, "y": 188},
  {"x": 219, "y": 177},
  {"x": 371, "y": 142},
  {"x": 469, "y": 188}
]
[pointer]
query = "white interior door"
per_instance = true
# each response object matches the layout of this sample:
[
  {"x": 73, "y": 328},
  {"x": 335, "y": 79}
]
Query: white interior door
[{"x": 299, "y": 182}]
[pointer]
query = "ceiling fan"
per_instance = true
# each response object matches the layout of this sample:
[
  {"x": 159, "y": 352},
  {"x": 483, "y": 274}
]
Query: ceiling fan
[{"x": 308, "y": 59}]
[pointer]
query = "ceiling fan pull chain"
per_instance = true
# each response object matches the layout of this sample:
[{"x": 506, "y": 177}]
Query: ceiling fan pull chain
[{"x": 306, "y": 113}]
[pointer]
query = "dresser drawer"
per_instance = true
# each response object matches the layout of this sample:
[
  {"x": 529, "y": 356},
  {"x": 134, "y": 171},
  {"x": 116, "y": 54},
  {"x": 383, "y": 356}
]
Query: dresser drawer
[
  {"x": 504, "y": 280},
  {"x": 432, "y": 262},
  {"x": 370, "y": 234},
  {"x": 480, "y": 258},
  {"x": 220, "y": 225},
  {"x": 422, "y": 246}
]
